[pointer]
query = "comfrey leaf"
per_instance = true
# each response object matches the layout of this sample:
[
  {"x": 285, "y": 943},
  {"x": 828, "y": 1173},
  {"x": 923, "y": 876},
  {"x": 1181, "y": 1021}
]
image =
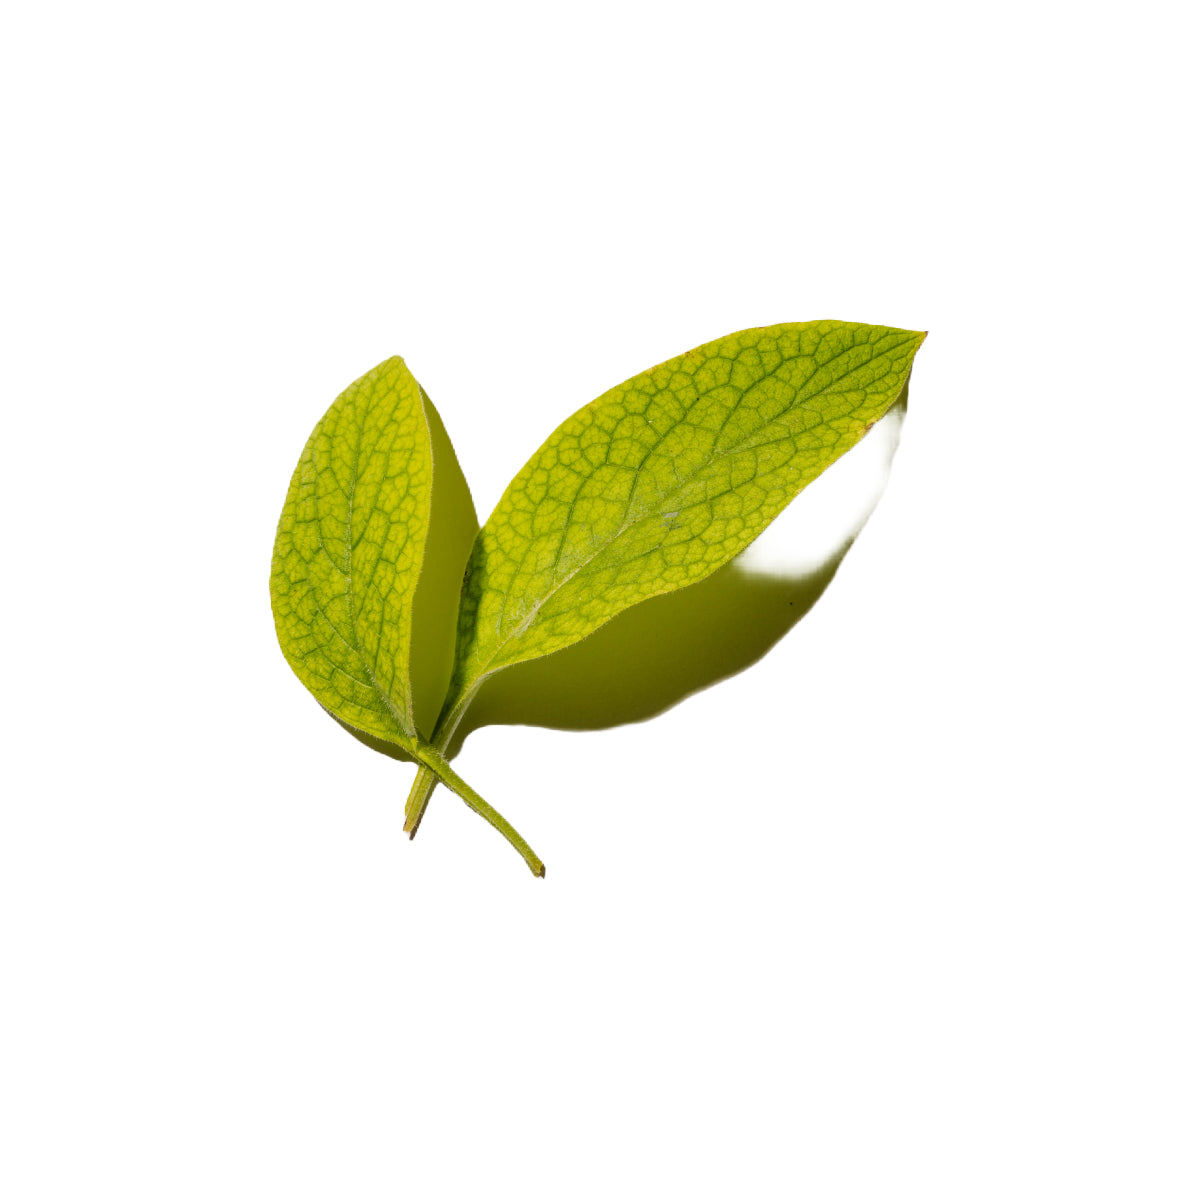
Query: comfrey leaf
[
  {"x": 663, "y": 480},
  {"x": 649, "y": 489},
  {"x": 348, "y": 576},
  {"x": 349, "y": 549}
]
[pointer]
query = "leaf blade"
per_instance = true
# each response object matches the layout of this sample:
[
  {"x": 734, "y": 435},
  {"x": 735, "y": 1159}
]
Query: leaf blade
[
  {"x": 348, "y": 552},
  {"x": 663, "y": 479}
]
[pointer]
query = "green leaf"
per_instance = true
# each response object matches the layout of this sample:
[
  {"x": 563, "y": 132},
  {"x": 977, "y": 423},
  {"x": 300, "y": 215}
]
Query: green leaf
[
  {"x": 652, "y": 488},
  {"x": 365, "y": 576},
  {"x": 353, "y": 567},
  {"x": 663, "y": 480},
  {"x": 652, "y": 656}
]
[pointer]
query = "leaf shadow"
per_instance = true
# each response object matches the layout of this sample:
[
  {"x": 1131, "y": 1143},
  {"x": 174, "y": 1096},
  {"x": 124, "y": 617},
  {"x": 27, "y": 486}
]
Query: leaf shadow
[
  {"x": 653, "y": 655},
  {"x": 646, "y": 660}
]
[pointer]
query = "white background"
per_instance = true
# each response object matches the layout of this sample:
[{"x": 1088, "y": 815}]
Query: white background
[{"x": 908, "y": 909}]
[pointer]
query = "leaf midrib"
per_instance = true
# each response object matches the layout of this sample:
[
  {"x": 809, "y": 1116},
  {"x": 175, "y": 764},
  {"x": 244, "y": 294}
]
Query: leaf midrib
[{"x": 347, "y": 571}]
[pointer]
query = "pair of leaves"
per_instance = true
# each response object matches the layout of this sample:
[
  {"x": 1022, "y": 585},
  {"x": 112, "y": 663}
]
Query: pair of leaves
[{"x": 650, "y": 488}]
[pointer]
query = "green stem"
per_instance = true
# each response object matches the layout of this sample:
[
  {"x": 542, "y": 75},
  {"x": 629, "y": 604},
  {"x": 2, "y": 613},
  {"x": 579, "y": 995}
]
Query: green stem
[
  {"x": 418, "y": 799},
  {"x": 430, "y": 758},
  {"x": 427, "y": 780}
]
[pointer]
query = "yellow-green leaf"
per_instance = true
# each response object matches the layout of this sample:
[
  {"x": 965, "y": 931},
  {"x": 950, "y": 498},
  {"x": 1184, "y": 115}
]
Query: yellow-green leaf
[
  {"x": 664, "y": 479},
  {"x": 350, "y": 551},
  {"x": 651, "y": 488}
]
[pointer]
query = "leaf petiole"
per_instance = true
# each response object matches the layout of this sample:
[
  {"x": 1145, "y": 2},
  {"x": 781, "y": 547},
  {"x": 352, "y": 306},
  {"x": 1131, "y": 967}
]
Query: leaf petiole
[
  {"x": 434, "y": 762},
  {"x": 427, "y": 779},
  {"x": 418, "y": 799}
]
